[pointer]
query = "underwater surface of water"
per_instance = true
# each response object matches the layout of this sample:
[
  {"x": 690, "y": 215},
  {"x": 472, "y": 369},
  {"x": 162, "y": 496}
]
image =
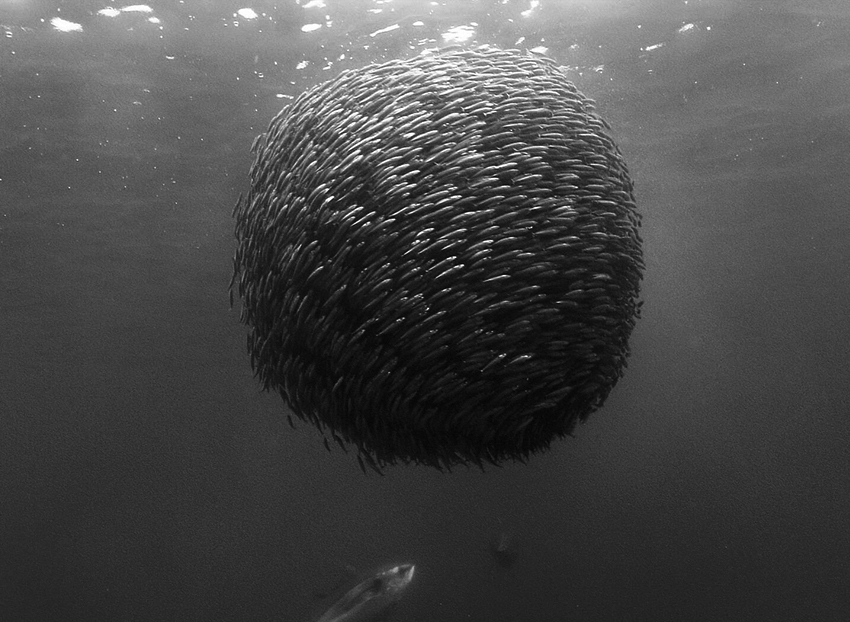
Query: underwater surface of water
[{"x": 145, "y": 476}]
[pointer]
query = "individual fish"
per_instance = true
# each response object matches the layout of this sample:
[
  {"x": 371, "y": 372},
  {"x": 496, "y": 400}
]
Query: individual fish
[
  {"x": 503, "y": 547},
  {"x": 372, "y": 598}
]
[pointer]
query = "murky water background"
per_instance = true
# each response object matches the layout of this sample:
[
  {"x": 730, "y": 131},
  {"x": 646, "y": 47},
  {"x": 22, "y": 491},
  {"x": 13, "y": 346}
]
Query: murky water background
[{"x": 144, "y": 476}]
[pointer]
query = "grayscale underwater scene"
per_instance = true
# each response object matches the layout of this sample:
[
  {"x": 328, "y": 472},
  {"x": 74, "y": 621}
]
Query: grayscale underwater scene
[{"x": 425, "y": 310}]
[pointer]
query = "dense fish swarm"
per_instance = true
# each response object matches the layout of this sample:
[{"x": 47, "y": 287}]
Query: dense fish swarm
[{"x": 439, "y": 259}]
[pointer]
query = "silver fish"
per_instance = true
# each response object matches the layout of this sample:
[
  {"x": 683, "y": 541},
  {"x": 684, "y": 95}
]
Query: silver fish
[{"x": 371, "y": 598}]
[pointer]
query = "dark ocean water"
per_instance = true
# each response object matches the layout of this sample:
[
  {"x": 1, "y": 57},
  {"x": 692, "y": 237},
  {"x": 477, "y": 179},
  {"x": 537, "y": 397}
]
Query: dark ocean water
[{"x": 144, "y": 475}]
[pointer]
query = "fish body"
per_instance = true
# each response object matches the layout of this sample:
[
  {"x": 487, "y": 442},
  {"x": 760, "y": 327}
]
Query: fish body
[{"x": 370, "y": 599}]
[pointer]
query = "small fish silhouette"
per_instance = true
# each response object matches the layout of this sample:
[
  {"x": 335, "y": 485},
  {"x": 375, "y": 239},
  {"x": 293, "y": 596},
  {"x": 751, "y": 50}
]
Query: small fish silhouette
[{"x": 503, "y": 548}]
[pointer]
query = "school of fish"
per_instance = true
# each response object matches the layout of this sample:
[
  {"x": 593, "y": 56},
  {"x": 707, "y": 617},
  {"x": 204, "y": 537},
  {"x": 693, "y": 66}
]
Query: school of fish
[{"x": 439, "y": 258}]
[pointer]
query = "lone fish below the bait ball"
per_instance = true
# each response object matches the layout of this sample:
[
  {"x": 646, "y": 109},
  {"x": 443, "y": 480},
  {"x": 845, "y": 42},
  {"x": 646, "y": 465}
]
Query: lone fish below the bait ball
[
  {"x": 439, "y": 258},
  {"x": 373, "y": 598}
]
